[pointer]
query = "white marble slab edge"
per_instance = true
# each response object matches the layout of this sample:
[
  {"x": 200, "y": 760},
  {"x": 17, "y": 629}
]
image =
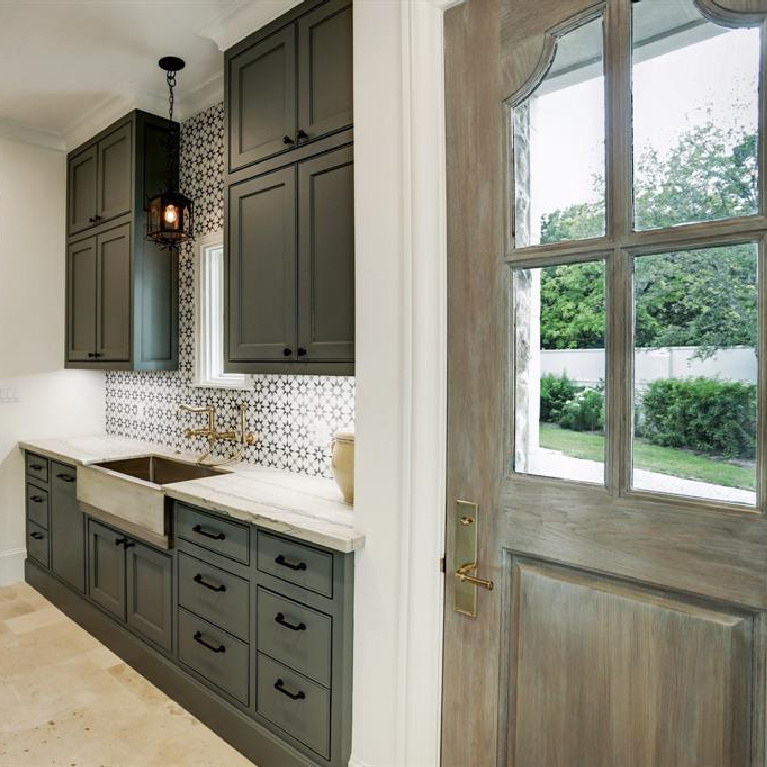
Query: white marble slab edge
[{"x": 308, "y": 508}]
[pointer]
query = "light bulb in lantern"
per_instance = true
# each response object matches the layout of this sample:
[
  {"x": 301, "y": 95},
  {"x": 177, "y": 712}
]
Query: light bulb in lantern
[{"x": 171, "y": 214}]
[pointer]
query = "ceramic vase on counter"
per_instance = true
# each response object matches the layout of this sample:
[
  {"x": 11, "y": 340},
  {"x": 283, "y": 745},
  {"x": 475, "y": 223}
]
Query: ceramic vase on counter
[{"x": 343, "y": 463}]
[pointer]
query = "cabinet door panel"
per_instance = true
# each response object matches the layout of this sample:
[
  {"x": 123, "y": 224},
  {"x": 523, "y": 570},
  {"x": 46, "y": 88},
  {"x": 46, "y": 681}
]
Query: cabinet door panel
[
  {"x": 325, "y": 69},
  {"x": 326, "y": 257},
  {"x": 114, "y": 295},
  {"x": 106, "y": 568},
  {"x": 82, "y": 203},
  {"x": 67, "y": 527},
  {"x": 262, "y": 268},
  {"x": 81, "y": 300},
  {"x": 115, "y": 188},
  {"x": 261, "y": 98},
  {"x": 149, "y": 596}
]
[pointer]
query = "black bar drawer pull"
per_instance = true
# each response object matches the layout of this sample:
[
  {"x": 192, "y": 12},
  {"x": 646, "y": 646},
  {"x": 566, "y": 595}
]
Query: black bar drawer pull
[
  {"x": 37, "y": 536},
  {"x": 200, "y": 530},
  {"x": 36, "y": 499},
  {"x": 198, "y": 638},
  {"x": 279, "y": 685},
  {"x": 282, "y": 562},
  {"x": 65, "y": 477},
  {"x": 292, "y": 626},
  {"x": 36, "y": 466},
  {"x": 199, "y": 579}
]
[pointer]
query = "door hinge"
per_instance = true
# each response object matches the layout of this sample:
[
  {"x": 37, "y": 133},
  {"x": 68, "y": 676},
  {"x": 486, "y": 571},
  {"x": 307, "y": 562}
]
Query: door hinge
[{"x": 442, "y": 565}]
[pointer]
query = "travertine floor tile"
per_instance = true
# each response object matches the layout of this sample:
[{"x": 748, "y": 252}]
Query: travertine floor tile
[{"x": 68, "y": 701}]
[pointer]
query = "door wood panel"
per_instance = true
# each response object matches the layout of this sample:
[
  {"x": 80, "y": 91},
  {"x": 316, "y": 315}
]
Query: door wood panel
[
  {"x": 261, "y": 274},
  {"x": 626, "y": 629},
  {"x": 115, "y": 179},
  {"x": 261, "y": 100},
  {"x": 326, "y": 257},
  {"x": 149, "y": 598},
  {"x": 82, "y": 190},
  {"x": 106, "y": 568},
  {"x": 655, "y": 679},
  {"x": 325, "y": 69},
  {"x": 81, "y": 299},
  {"x": 113, "y": 311}
]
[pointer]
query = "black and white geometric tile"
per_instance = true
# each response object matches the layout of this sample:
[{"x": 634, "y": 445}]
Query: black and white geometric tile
[{"x": 286, "y": 413}]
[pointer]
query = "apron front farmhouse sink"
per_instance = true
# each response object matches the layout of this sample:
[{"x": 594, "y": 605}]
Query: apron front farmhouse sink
[{"x": 129, "y": 492}]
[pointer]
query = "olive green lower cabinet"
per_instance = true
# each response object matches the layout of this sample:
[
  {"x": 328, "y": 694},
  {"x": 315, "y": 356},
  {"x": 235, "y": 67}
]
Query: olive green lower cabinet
[{"x": 249, "y": 630}]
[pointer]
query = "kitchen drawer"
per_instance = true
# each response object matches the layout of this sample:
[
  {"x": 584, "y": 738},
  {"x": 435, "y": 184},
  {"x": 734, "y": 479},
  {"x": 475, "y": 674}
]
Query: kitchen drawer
[
  {"x": 37, "y": 505},
  {"x": 64, "y": 478},
  {"x": 216, "y": 655},
  {"x": 294, "y": 703},
  {"x": 37, "y": 543},
  {"x": 214, "y": 594},
  {"x": 229, "y": 539},
  {"x": 307, "y": 567},
  {"x": 37, "y": 467},
  {"x": 295, "y": 635}
]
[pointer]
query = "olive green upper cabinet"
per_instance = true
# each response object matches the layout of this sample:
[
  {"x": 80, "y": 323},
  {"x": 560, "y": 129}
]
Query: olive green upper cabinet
[
  {"x": 122, "y": 291},
  {"x": 290, "y": 84},
  {"x": 262, "y": 100},
  {"x": 325, "y": 70}
]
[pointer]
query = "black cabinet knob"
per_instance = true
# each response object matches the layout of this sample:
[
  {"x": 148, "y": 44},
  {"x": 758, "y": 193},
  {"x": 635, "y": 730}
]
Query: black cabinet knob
[
  {"x": 288, "y": 140},
  {"x": 302, "y": 135},
  {"x": 287, "y": 352},
  {"x": 302, "y": 352}
]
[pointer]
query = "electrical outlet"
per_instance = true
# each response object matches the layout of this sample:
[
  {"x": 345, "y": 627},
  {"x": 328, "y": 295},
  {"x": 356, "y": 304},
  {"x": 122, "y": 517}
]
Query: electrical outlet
[{"x": 9, "y": 395}]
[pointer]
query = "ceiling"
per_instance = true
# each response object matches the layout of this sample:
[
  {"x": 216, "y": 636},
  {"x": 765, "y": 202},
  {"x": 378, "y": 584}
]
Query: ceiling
[{"x": 70, "y": 67}]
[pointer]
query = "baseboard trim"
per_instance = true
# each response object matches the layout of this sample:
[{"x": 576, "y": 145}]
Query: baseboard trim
[
  {"x": 243, "y": 733},
  {"x": 12, "y": 566}
]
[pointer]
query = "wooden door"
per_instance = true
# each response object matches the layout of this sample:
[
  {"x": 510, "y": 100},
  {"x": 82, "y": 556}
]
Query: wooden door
[
  {"x": 81, "y": 300},
  {"x": 149, "y": 575},
  {"x": 261, "y": 99},
  {"x": 115, "y": 178},
  {"x": 113, "y": 305},
  {"x": 106, "y": 568},
  {"x": 67, "y": 527},
  {"x": 261, "y": 268},
  {"x": 82, "y": 204},
  {"x": 325, "y": 70},
  {"x": 326, "y": 257},
  {"x": 626, "y": 626}
]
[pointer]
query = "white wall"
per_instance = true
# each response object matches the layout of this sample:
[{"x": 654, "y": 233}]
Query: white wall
[
  {"x": 52, "y": 402},
  {"x": 587, "y": 366}
]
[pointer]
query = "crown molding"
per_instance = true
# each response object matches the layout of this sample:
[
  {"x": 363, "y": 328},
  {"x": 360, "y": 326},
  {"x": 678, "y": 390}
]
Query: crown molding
[
  {"x": 203, "y": 96},
  {"x": 231, "y": 26},
  {"x": 35, "y": 136}
]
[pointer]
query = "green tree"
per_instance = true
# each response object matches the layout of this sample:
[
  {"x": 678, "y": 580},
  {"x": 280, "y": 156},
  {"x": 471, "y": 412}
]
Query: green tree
[{"x": 705, "y": 297}]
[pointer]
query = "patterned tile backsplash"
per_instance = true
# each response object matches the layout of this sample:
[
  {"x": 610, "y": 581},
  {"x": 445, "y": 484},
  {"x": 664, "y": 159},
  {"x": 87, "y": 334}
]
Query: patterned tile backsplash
[{"x": 290, "y": 415}]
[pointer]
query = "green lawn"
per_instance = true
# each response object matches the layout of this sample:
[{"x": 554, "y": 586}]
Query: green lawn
[{"x": 664, "y": 460}]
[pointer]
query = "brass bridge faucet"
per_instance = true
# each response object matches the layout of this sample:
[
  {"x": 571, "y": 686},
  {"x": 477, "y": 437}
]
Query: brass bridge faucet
[{"x": 212, "y": 434}]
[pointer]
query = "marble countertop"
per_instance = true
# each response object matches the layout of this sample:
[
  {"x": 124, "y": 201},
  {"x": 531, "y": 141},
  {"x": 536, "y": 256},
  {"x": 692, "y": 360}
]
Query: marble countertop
[{"x": 309, "y": 508}]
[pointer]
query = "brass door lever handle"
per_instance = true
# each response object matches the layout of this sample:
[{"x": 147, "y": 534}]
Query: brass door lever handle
[{"x": 463, "y": 573}]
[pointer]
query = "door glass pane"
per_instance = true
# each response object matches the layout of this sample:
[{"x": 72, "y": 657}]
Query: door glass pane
[
  {"x": 559, "y": 146},
  {"x": 695, "y": 116},
  {"x": 559, "y": 389},
  {"x": 695, "y": 369}
]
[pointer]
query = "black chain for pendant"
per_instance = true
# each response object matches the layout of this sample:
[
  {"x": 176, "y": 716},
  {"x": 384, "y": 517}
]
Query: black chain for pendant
[{"x": 173, "y": 142}]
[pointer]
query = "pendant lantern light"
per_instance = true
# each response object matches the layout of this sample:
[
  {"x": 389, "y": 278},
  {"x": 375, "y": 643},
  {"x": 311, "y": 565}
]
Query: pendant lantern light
[{"x": 170, "y": 214}]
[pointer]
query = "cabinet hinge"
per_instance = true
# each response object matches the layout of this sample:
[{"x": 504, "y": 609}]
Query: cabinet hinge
[{"x": 442, "y": 565}]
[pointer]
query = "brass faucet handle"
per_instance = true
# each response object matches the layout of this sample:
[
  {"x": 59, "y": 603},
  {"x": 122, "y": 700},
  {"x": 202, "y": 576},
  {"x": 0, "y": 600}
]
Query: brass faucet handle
[{"x": 184, "y": 408}]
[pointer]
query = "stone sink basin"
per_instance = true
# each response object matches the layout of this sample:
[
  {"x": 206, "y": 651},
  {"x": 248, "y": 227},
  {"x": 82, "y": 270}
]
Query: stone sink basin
[{"x": 129, "y": 492}]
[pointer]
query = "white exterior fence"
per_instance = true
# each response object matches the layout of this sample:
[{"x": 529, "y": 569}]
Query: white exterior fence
[{"x": 587, "y": 366}]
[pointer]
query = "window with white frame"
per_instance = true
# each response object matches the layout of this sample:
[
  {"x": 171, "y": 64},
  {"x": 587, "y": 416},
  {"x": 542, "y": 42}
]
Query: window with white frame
[{"x": 209, "y": 300}]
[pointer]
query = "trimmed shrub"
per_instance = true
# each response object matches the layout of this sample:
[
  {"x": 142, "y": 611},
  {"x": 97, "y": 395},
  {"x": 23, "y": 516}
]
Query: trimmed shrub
[
  {"x": 701, "y": 414},
  {"x": 556, "y": 392},
  {"x": 585, "y": 412}
]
